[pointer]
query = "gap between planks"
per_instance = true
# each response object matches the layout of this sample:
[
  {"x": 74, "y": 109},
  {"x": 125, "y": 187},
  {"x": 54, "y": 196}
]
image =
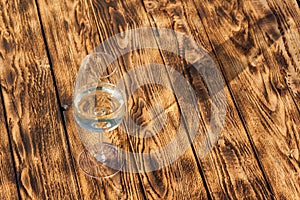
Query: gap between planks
[{"x": 59, "y": 106}]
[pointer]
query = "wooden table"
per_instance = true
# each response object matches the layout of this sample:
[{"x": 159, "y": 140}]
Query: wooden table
[{"x": 255, "y": 45}]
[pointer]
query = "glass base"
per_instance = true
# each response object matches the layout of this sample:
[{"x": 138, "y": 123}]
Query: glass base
[{"x": 104, "y": 164}]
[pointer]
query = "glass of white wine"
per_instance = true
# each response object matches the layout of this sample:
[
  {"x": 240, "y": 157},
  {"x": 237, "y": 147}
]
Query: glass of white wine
[{"x": 98, "y": 108}]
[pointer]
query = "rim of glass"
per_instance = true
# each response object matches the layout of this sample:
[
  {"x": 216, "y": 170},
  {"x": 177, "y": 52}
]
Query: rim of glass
[{"x": 112, "y": 61}]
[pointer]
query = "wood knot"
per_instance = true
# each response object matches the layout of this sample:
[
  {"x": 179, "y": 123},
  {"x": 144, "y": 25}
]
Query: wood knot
[
  {"x": 120, "y": 26},
  {"x": 29, "y": 183},
  {"x": 181, "y": 26},
  {"x": 221, "y": 142},
  {"x": 294, "y": 154},
  {"x": 255, "y": 62},
  {"x": 11, "y": 76},
  {"x": 174, "y": 9},
  {"x": 281, "y": 88},
  {"x": 293, "y": 81},
  {"x": 253, "y": 67},
  {"x": 151, "y": 5},
  {"x": 7, "y": 41}
]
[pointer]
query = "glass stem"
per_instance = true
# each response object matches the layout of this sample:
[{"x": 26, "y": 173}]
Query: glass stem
[{"x": 101, "y": 154}]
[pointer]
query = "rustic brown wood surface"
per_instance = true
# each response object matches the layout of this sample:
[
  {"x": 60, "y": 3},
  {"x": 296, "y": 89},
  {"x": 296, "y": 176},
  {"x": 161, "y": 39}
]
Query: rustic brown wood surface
[
  {"x": 256, "y": 50},
  {"x": 255, "y": 45},
  {"x": 39, "y": 146},
  {"x": 68, "y": 45},
  {"x": 241, "y": 181},
  {"x": 8, "y": 185}
]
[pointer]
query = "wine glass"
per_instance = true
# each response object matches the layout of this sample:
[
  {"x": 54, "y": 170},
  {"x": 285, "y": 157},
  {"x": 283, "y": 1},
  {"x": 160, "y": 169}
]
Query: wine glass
[{"x": 98, "y": 110}]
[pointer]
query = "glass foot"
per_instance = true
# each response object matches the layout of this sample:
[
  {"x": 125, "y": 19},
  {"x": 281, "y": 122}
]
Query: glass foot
[{"x": 104, "y": 164}]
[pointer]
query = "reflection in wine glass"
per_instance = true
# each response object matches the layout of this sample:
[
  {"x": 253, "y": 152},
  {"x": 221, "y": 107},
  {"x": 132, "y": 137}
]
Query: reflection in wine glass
[{"x": 98, "y": 110}]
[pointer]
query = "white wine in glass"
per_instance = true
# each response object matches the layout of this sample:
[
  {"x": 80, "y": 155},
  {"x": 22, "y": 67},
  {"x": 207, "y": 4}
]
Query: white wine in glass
[{"x": 99, "y": 108}]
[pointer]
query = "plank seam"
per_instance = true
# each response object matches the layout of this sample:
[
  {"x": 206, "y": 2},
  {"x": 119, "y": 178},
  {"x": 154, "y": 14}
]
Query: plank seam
[
  {"x": 184, "y": 122},
  {"x": 10, "y": 142},
  {"x": 90, "y": 5},
  {"x": 60, "y": 107},
  {"x": 279, "y": 23},
  {"x": 239, "y": 112}
]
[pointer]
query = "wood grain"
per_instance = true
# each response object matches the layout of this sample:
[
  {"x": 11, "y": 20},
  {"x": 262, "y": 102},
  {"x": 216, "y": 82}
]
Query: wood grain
[
  {"x": 181, "y": 179},
  {"x": 39, "y": 147},
  {"x": 8, "y": 181},
  {"x": 287, "y": 53},
  {"x": 71, "y": 34},
  {"x": 244, "y": 36},
  {"x": 256, "y": 45},
  {"x": 242, "y": 176}
]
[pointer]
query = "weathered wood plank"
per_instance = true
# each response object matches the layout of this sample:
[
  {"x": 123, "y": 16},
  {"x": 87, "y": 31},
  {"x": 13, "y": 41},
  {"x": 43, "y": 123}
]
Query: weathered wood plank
[
  {"x": 8, "y": 181},
  {"x": 247, "y": 40},
  {"x": 71, "y": 34},
  {"x": 43, "y": 162},
  {"x": 236, "y": 173},
  {"x": 181, "y": 179},
  {"x": 287, "y": 50}
]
